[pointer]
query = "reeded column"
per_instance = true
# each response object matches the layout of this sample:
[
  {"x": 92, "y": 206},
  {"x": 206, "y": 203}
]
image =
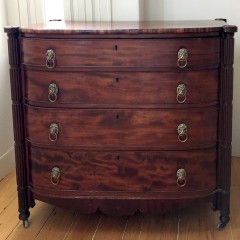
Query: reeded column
[
  {"x": 225, "y": 122},
  {"x": 18, "y": 122}
]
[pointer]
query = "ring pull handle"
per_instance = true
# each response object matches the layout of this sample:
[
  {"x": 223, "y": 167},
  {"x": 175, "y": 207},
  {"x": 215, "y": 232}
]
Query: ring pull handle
[
  {"x": 182, "y": 57},
  {"x": 53, "y": 132},
  {"x": 52, "y": 92},
  {"x": 181, "y": 93},
  {"x": 50, "y": 59},
  {"x": 182, "y": 132},
  {"x": 181, "y": 177},
  {"x": 55, "y": 175}
]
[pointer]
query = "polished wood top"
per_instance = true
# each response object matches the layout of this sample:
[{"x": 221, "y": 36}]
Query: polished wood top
[{"x": 138, "y": 27}]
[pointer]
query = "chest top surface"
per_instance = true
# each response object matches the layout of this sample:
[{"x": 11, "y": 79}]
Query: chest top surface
[{"x": 126, "y": 27}]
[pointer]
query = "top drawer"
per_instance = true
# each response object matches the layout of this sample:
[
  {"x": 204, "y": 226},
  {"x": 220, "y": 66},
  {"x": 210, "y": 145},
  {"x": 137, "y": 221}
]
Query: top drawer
[{"x": 198, "y": 52}]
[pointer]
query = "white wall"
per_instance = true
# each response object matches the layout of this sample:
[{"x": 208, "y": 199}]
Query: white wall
[
  {"x": 204, "y": 9},
  {"x": 23, "y": 12},
  {"x": 6, "y": 136}
]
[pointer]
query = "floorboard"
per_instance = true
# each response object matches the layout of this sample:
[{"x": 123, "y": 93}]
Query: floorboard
[
  {"x": 57, "y": 225},
  {"x": 160, "y": 227},
  {"x": 8, "y": 190},
  {"x": 111, "y": 228},
  {"x": 84, "y": 227},
  {"x": 39, "y": 216},
  {"x": 134, "y": 227}
]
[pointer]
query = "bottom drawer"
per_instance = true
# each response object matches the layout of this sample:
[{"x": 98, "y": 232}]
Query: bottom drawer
[{"x": 125, "y": 171}]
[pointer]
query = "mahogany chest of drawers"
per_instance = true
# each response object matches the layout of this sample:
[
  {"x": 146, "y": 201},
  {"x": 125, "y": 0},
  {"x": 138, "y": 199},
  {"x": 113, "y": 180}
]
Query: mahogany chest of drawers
[{"x": 122, "y": 116}]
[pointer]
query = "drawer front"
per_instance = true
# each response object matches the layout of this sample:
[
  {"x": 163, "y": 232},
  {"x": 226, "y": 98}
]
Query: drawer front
[
  {"x": 121, "y": 88},
  {"x": 126, "y": 128},
  {"x": 122, "y": 171},
  {"x": 201, "y": 52}
]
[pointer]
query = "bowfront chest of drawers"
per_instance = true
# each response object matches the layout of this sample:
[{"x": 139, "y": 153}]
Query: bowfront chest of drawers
[{"x": 122, "y": 117}]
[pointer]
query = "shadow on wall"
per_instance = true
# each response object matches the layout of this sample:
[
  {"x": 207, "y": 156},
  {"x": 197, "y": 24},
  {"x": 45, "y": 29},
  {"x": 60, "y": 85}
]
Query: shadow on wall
[{"x": 151, "y": 10}]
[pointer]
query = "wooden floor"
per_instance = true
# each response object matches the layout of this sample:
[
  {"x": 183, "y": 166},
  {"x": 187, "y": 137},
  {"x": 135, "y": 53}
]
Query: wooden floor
[{"x": 198, "y": 222}]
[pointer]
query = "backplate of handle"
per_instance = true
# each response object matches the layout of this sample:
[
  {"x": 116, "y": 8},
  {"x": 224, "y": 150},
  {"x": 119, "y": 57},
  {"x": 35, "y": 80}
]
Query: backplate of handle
[
  {"x": 181, "y": 93},
  {"x": 53, "y": 132},
  {"x": 182, "y": 57},
  {"x": 182, "y": 132},
  {"x": 50, "y": 58},
  {"x": 181, "y": 177},
  {"x": 55, "y": 175},
  {"x": 53, "y": 92}
]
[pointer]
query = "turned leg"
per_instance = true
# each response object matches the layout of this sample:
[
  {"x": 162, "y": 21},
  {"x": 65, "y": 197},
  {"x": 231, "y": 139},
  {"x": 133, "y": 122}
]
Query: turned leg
[
  {"x": 225, "y": 210},
  {"x": 224, "y": 219},
  {"x": 24, "y": 217},
  {"x": 23, "y": 206}
]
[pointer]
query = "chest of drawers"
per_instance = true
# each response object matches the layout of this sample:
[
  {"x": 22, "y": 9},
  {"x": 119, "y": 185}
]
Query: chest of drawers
[{"x": 122, "y": 116}]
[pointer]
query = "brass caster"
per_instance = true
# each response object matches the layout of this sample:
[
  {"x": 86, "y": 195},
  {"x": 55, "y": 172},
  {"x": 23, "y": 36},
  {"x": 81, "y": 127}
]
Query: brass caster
[
  {"x": 25, "y": 223},
  {"x": 221, "y": 226}
]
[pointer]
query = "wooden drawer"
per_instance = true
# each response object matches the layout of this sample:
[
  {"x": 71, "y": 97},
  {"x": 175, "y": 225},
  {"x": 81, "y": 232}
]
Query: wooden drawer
[
  {"x": 202, "y": 52},
  {"x": 132, "y": 171},
  {"x": 119, "y": 88},
  {"x": 125, "y": 128}
]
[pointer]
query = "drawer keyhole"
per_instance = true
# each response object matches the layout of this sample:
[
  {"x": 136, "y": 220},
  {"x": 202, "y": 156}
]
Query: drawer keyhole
[
  {"x": 117, "y": 80},
  {"x": 116, "y": 47},
  {"x": 118, "y": 157},
  {"x": 117, "y": 116}
]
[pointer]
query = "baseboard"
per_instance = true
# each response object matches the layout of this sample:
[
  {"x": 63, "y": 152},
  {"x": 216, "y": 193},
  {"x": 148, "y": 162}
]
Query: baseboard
[
  {"x": 236, "y": 153},
  {"x": 7, "y": 163}
]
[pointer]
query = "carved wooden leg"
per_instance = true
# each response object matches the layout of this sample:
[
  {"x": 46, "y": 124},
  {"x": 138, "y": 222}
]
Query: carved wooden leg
[
  {"x": 225, "y": 210},
  {"x": 224, "y": 219},
  {"x": 23, "y": 205}
]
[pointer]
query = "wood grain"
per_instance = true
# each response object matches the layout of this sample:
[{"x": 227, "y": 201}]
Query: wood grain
[
  {"x": 125, "y": 128},
  {"x": 106, "y": 53},
  {"x": 133, "y": 227},
  {"x": 8, "y": 216},
  {"x": 85, "y": 227},
  {"x": 197, "y": 222},
  {"x": 39, "y": 218},
  {"x": 111, "y": 228},
  {"x": 128, "y": 171},
  {"x": 61, "y": 220},
  {"x": 159, "y": 227},
  {"x": 141, "y": 181},
  {"x": 7, "y": 191},
  {"x": 115, "y": 88},
  {"x": 204, "y": 224},
  {"x": 129, "y": 27}
]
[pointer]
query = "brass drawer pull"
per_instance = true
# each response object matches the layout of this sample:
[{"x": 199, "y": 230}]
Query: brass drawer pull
[
  {"x": 54, "y": 130},
  {"x": 52, "y": 92},
  {"x": 50, "y": 59},
  {"x": 55, "y": 175},
  {"x": 182, "y": 132},
  {"x": 181, "y": 93},
  {"x": 181, "y": 177},
  {"x": 182, "y": 57}
]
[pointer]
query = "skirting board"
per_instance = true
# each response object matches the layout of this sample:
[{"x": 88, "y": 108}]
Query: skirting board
[
  {"x": 7, "y": 163},
  {"x": 236, "y": 154}
]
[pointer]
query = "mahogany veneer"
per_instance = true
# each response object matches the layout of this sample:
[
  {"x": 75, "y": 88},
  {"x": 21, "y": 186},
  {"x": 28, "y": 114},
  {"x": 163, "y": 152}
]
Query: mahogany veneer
[{"x": 124, "y": 116}]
